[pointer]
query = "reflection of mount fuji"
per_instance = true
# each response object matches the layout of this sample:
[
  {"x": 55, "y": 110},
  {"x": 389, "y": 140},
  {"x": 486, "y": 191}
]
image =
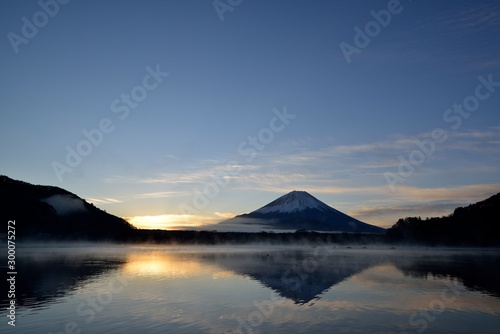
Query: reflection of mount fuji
[
  {"x": 296, "y": 275},
  {"x": 301, "y": 276}
]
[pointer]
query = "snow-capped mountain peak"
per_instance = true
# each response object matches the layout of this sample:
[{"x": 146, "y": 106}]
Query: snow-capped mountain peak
[
  {"x": 298, "y": 210},
  {"x": 294, "y": 201}
]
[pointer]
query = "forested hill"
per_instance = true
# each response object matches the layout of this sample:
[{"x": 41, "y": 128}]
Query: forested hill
[
  {"x": 475, "y": 225},
  {"x": 46, "y": 212}
]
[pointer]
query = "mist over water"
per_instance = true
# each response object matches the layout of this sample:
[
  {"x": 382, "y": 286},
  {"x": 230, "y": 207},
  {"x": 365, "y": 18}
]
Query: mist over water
[{"x": 260, "y": 289}]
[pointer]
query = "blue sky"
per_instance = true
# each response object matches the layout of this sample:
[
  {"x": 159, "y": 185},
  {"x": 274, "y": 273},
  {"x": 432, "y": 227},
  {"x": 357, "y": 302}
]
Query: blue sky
[{"x": 178, "y": 89}]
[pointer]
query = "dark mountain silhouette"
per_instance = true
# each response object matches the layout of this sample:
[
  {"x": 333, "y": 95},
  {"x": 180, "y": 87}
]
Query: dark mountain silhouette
[
  {"x": 298, "y": 210},
  {"x": 46, "y": 212},
  {"x": 474, "y": 225}
]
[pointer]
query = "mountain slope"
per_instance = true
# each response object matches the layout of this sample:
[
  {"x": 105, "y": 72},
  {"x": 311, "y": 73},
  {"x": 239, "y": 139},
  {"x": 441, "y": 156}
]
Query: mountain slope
[
  {"x": 298, "y": 210},
  {"x": 52, "y": 212}
]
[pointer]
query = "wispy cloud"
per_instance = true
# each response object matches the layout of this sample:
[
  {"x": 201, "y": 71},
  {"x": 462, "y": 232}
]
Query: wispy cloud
[
  {"x": 404, "y": 210},
  {"x": 489, "y": 64},
  {"x": 149, "y": 195},
  {"x": 172, "y": 157},
  {"x": 465, "y": 193},
  {"x": 159, "y": 194},
  {"x": 386, "y": 216},
  {"x": 356, "y": 168},
  {"x": 120, "y": 179},
  {"x": 456, "y": 34},
  {"x": 478, "y": 17},
  {"x": 225, "y": 215},
  {"x": 103, "y": 200}
]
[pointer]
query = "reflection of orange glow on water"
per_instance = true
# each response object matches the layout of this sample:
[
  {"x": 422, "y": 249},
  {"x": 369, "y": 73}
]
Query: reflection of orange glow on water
[
  {"x": 163, "y": 264},
  {"x": 223, "y": 274}
]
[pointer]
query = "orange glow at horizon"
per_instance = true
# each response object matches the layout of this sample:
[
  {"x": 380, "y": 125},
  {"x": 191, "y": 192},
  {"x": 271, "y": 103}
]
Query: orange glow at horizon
[{"x": 166, "y": 221}]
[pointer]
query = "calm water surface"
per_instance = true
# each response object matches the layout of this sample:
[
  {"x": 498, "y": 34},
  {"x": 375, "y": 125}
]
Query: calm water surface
[{"x": 152, "y": 289}]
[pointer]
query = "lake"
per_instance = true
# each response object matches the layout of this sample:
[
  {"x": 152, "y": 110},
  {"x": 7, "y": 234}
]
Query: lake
[{"x": 253, "y": 289}]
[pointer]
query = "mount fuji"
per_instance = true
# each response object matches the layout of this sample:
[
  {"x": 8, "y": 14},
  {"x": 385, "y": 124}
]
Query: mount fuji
[{"x": 295, "y": 211}]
